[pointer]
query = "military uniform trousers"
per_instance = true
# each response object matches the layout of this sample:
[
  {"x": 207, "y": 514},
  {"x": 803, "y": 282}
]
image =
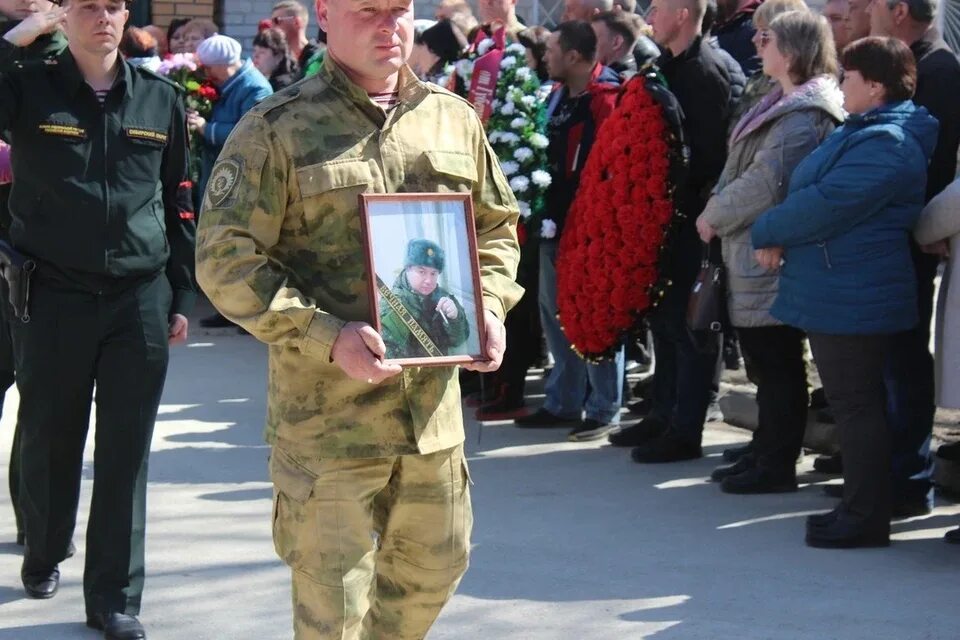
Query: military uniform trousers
[
  {"x": 377, "y": 545},
  {"x": 116, "y": 340},
  {"x": 6, "y": 381}
]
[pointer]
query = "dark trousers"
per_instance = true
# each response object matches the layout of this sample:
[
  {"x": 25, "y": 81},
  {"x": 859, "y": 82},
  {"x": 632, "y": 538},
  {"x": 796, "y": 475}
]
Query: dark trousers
[
  {"x": 686, "y": 364},
  {"x": 774, "y": 361},
  {"x": 851, "y": 368},
  {"x": 6, "y": 381},
  {"x": 909, "y": 378},
  {"x": 524, "y": 339},
  {"x": 75, "y": 340}
]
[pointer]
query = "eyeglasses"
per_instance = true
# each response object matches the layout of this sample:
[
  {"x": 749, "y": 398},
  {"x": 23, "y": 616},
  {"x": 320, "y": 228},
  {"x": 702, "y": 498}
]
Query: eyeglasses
[
  {"x": 763, "y": 37},
  {"x": 276, "y": 20}
]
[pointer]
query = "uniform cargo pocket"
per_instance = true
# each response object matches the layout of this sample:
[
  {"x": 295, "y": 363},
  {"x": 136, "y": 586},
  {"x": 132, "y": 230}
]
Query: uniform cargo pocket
[
  {"x": 453, "y": 163},
  {"x": 320, "y": 179},
  {"x": 292, "y": 488}
]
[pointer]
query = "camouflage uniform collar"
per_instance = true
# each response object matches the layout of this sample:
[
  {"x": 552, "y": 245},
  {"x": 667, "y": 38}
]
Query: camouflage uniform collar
[{"x": 411, "y": 91}]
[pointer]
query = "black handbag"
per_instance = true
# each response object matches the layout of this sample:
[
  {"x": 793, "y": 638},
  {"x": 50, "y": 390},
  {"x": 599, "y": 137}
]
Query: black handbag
[{"x": 707, "y": 306}]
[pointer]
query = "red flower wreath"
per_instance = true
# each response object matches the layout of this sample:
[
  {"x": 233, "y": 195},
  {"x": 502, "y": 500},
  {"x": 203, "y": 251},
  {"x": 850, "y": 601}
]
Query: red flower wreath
[{"x": 608, "y": 274}]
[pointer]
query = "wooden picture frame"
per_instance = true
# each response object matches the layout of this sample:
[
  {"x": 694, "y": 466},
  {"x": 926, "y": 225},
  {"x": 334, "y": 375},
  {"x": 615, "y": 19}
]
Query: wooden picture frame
[{"x": 424, "y": 277}]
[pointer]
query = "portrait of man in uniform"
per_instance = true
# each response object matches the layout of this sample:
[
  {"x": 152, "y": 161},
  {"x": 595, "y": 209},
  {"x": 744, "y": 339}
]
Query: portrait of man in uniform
[
  {"x": 418, "y": 317},
  {"x": 423, "y": 277}
]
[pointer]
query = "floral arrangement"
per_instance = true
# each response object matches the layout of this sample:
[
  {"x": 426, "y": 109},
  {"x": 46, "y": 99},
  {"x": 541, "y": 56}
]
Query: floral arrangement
[
  {"x": 608, "y": 274},
  {"x": 516, "y": 125},
  {"x": 200, "y": 95}
]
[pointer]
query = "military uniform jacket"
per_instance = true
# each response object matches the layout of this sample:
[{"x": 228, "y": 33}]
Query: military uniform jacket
[
  {"x": 444, "y": 333},
  {"x": 96, "y": 190},
  {"x": 280, "y": 251}
]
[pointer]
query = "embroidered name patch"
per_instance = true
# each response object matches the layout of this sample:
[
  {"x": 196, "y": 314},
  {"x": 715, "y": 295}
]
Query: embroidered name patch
[
  {"x": 223, "y": 180},
  {"x": 147, "y": 134},
  {"x": 63, "y": 130}
]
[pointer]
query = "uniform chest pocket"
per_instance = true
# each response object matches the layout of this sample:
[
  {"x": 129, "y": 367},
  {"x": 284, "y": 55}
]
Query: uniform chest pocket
[{"x": 445, "y": 171}]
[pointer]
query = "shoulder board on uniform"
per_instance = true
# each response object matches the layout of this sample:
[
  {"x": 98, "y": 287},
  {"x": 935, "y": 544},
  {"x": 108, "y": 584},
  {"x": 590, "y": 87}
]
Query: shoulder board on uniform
[
  {"x": 435, "y": 88},
  {"x": 280, "y": 98},
  {"x": 153, "y": 75}
]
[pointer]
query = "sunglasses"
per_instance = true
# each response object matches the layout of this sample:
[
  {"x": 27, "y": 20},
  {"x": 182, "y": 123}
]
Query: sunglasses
[
  {"x": 763, "y": 37},
  {"x": 276, "y": 20}
]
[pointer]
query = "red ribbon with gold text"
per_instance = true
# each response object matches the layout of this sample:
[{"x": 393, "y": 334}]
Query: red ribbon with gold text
[{"x": 486, "y": 70}]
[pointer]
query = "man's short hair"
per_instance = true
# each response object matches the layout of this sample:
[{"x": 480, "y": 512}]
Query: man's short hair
[
  {"x": 577, "y": 35},
  {"x": 924, "y": 11},
  {"x": 627, "y": 6},
  {"x": 629, "y": 26},
  {"x": 295, "y": 8},
  {"x": 697, "y": 8}
]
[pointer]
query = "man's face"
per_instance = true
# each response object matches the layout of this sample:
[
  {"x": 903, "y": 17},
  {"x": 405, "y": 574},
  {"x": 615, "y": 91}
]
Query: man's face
[
  {"x": 836, "y": 11},
  {"x": 21, "y": 9},
  {"x": 371, "y": 38},
  {"x": 423, "y": 279},
  {"x": 608, "y": 43},
  {"x": 495, "y": 10},
  {"x": 859, "y": 19},
  {"x": 289, "y": 23},
  {"x": 576, "y": 10},
  {"x": 555, "y": 59},
  {"x": 665, "y": 20},
  {"x": 882, "y": 20},
  {"x": 95, "y": 26}
]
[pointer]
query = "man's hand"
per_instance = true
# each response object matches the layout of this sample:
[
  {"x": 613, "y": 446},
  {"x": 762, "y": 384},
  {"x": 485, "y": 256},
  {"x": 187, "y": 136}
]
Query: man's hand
[
  {"x": 36, "y": 25},
  {"x": 359, "y": 351},
  {"x": 941, "y": 249},
  {"x": 196, "y": 122},
  {"x": 178, "y": 329},
  {"x": 496, "y": 345},
  {"x": 770, "y": 258},
  {"x": 447, "y": 307},
  {"x": 707, "y": 232}
]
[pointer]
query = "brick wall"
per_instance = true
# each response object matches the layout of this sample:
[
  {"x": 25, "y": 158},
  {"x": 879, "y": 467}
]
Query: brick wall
[{"x": 166, "y": 10}]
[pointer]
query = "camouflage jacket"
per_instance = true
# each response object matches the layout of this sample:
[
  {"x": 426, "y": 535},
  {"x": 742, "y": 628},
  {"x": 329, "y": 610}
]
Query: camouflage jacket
[
  {"x": 280, "y": 253},
  {"x": 447, "y": 335}
]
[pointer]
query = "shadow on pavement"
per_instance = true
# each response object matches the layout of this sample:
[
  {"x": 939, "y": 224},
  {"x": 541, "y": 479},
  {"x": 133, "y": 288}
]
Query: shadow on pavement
[{"x": 39, "y": 631}]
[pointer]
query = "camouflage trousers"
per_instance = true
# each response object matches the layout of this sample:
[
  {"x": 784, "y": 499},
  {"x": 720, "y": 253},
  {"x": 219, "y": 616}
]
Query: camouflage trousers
[{"x": 376, "y": 545}]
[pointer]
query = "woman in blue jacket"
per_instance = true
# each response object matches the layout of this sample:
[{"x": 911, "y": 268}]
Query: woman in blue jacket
[{"x": 841, "y": 238}]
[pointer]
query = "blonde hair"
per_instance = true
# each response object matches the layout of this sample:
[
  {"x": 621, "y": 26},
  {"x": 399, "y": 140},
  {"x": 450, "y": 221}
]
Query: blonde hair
[
  {"x": 807, "y": 41},
  {"x": 766, "y": 12}
]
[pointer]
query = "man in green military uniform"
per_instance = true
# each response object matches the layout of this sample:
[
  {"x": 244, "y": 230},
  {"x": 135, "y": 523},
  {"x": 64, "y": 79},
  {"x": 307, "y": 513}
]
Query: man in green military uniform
[
  {"x": 434, "y": 322},
  {"x": 372, "y": 506},
  {"x": 43, "y": 48},
  {"x": 99, "y": 201}
]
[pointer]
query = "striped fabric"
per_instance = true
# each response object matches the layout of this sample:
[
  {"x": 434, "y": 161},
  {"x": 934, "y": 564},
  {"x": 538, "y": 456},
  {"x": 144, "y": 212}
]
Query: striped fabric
[{"x": 386, "y": 101}]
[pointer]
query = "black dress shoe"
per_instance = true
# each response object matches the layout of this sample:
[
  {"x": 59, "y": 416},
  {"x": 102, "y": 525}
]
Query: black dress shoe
[
  {"x": 216, "y": 321},
  {"x": 666, "y": 448},
  {"x": 640, "y": 407},
  {"x": 759, "y": 480},
  {"x": 831, "y": 465},
  {"x": 640, "y": 433},
  {"x": 543, "y": 419},
  {"x": 911, "y": 509},
  {"x": 117, "y": 626},
  {"x": 822, "y": 519},
  {"x": 40, "y": 583},
  {"x": 743, "y": 464},
  {"x": 952, "y": 537},
  {"x": 833, "y": 490},
  {"x": 845, "y": 532},
  {"x": 735, "y": 453}
]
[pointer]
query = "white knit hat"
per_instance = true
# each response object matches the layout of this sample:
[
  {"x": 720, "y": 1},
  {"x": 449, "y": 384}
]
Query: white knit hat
[{"x": 218, "y": 49}]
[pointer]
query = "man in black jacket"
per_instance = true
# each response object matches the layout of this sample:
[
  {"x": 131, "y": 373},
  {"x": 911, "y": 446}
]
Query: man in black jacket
[
  {"x": 685, "y": 362},
  {"x": 909, "y": 368}
]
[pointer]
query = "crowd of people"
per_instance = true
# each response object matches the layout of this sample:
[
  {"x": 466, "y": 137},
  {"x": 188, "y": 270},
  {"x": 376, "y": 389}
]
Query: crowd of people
[{"x": 813, "y": 156}]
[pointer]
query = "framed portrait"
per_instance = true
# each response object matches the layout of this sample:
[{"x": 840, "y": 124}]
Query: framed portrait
[{"x": 421, "y": 251}]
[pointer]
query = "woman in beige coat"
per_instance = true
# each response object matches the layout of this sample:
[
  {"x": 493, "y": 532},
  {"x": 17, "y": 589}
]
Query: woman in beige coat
[
  {"x": 766, "y": 145},
  {"x": 938, "y": 230}
]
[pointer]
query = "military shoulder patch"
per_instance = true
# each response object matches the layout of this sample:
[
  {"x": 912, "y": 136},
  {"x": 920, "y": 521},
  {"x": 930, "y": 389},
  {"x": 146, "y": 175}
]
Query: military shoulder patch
[{"x": 224, "y": 180}]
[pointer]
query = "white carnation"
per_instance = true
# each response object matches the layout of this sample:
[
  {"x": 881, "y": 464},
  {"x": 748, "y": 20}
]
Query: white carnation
[
  {"x": 494, "y": 137},
  {"x": 464, "y": 68},
  {"x": 518, "y": 123},
  {"x": 508, "y": 109},
  {"x": 525, "y": 210},
  {"x": 523, "y": 154},
  {"x": 509, "y": 167},
  {"x": 517, "y": 49},
  {"x": 508, "y": 137},
  {"x": 548, "y": 229},
  {"x": 539, "y": 141},
  {"x": 528, "y": 101},
  {"x": 519, "y": 184},
  {"x": 485, "y": 45},
  {"x": 508, "y": 63},
  {"x": 541, "y": 178},
  {"x": 524, "y": 73}
]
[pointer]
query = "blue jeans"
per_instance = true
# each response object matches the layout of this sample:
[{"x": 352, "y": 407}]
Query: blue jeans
[
  {"x": 685, "y": 368},
  {"x": 909, "y": 379},
  {"x": 575, "y": 386}
]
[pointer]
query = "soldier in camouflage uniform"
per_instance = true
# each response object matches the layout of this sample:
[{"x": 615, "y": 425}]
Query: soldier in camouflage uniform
[
  {"x": 371, "y": 501},
  {"x": 436, "y": 311}
]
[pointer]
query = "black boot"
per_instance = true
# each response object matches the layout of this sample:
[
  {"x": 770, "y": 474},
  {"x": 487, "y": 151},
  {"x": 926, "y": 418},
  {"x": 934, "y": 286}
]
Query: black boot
[
  {"x": 638, "y": 434},
  {"x": 832, "y": 465},
  {"x": 666, "y": 448},
  {"x": 735, "y": 453},
  {"x": 760, "y": 480},
  {"x": 848, "y": 532},
  {"x": 740, "y": 466}
]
